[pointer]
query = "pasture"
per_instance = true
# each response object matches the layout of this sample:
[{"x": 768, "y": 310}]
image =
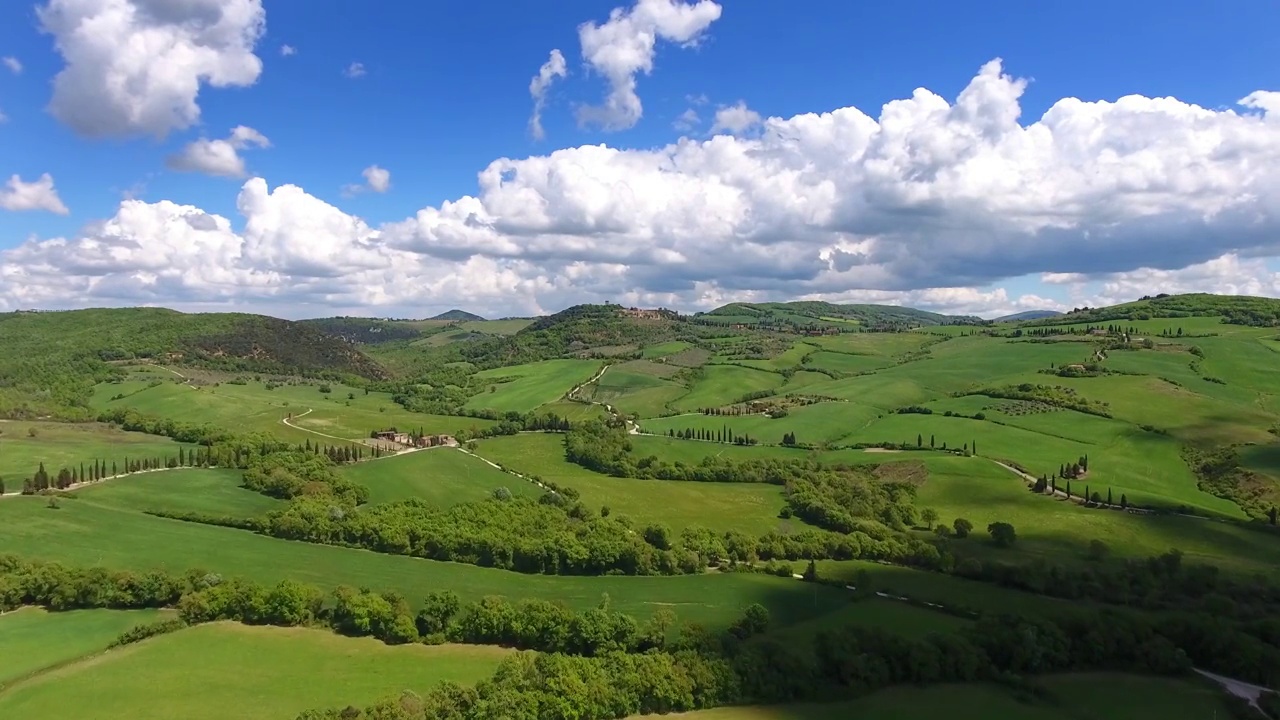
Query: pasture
[
  {"x": 342, "y": 413},
  {"x": 814, "y": 424},
  {"x": 25, "y": 444},
  {"x": 194, "y": 490},
  {"x": 719, "y": 385},
  {"x": 637, "y": 387},
  {"x": 752, "y": 508},
  {"x": 524, "y": 387},
  {"x": 86, "y": 534},
  {"x": 1074, "y": 697},
  {"x": 892, "y": 615},
  {"x": 442, "y": 476},
  {"x": 222, "y": 670},
  {"x": 35, "y": 640}
]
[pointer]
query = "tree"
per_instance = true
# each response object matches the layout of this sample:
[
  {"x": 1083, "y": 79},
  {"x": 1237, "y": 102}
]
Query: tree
[
  {"x": 962, "y": 527},
  {"x": 604, "y": 511},
  {"x": 919, "y": 440},
  {"x": 930, "y": 441},
  {"x": 1271, "y": 514},
  {"x": 929, "y": 516},
  {"x": 1002, "y": 534},
  {"x": 942, "y": 531},
  {"x": 1109, "y": 496},
  {"x": 1096, "y": 498},
  {"x": 811, "y": 572}
]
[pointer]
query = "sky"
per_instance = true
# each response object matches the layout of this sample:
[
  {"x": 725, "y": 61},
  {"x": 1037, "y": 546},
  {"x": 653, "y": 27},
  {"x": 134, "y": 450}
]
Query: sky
[{"x": 307, "y": 158}]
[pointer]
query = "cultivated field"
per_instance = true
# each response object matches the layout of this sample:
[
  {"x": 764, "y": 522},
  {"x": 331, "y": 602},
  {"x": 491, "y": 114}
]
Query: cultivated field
[
  {"x": 34, "y": 640},
  {"x": 442, "y": 476},
  {"x": 524, "y": 387},
  {"x": 24, "y": 445}
]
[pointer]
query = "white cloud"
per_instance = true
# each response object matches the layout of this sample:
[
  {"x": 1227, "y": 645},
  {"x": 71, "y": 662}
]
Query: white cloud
[
  {"x": 14, "y": 65},
  {"x": 553, "y": 68},
  {"x": 687, "y": 121},
  {"x": 137, "y": 66},
  {"x": 17, "y": 195},
  {"x": 930, "y": 203},
  {"x": 375, "y": 178},
  {"x": 624, "y": 46},
  {"x": 355, "y": 70},
  {"x": 288, "y": 50},
  {"x": 735, "y": 118},
  {"x": 218, "y": 157},
  {"x": 379, "y": 180}
]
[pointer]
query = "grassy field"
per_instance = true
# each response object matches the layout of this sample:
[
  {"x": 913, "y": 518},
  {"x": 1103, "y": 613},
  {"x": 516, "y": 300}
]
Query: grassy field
[
  {"x": 818, "y": 423},
  {"x": 525, "y": 387},
  {"x": 1145, "y": 466},
  {"x": 1076, "y": 697},
  {"x": 636, "y": 387},
  {"x": 442, "y": 476},
  {"x": 211, "y": 492},
  {"x": 725, "y": 384},
  {"x": 83, "y": 533},
  {"x": 665, "y": 349},
  {"x": 225, "y": 670},
  {"x": 893, "y": 615},
  {"x": 751, "y": 508},
  {"x": 34, "y": 640},
  {"x": 1059, "y": 530},
  {"x": 343, "y": 412},
  {"x": 60, "y": 445}
]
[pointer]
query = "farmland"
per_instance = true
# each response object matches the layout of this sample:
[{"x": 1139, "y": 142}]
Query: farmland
[
  {"x": 894, "y": 434},
  {"x": 224, "y": 669}
]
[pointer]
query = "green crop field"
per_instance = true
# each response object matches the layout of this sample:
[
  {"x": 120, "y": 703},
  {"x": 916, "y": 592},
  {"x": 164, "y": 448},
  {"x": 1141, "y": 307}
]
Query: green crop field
[
  {"x": 441, "y": 475},
  {"x": 24, "y": 445},
  {"x": 1076, "y": 697},
  {"x": 636, "y": 387},
  {"x": 525, "y": 387},
  {"x": 898, "y": 617},
  {"x": 195, "y": 490},
  {"x": 34, "y": 640},
  {"x": 222, "y": 670},
  {"x": 718, "y": 506},
  {"x": 845, "y": 362},
  {"x": 665, "y": 349}
]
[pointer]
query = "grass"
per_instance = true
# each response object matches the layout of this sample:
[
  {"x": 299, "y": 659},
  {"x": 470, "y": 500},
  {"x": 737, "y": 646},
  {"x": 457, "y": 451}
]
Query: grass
[
  {"x": 665, "y": 349},
  {"x": 86, "y": 534},
  {"x": 720, "y": 385},
  {"x": 222, "y": 670},
  {"x": 442, "y": 476},
  {"x": 752, "y": 508},
  {"x": 817, "y": 423},
  {"x": 1059, "y": 530},
  {"x": 60, "y": 445},
  {"x": 344, "y": 412},
  {"x": 211, "y": 492},
  {"x": 843, "y": 362},
  {"x": 497, "y": 327},
  {"x": 637, "y": 386},
  {"x": 34, "y": 639},
  {"x": 1145, "y": 466},
  {"x": 525, "y": 387},
  {"x": 892, "y": 615},
  {"x": 1094, "y": 696}
]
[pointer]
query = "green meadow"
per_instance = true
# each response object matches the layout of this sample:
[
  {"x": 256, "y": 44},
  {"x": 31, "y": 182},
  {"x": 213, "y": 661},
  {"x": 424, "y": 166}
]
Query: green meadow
[
  {"x": 222, "y": 670},
  {"x": 1073, "y": 697},
  {"x": 817, "y": 423},
  {"x": 749, "y": 507},
  {"x": 182, "y": 490},
  {"x": 34, "y": 640},
  {"x": 442, "y": 476},
  {"x": 86, "y": 534},
  {"x": 719, "y": 385},
  {"x": 24, "y": 445},
  {"x": 524, "y": 387}
]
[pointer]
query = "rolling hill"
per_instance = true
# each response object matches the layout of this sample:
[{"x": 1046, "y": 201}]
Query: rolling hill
[{"x": 457, "y": 315}]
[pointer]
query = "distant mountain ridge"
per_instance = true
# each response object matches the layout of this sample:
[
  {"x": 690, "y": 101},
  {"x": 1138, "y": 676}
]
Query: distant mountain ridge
[
  {"x": 457, "y": 315},
  {"x": 832, "y": 314}
]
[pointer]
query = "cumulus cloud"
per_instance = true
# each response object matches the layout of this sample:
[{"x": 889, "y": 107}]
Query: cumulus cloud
[
  {"x": 735, "y": 118},
  {"x": 17, "y": 195},
  {"x": 14, "y": 65},
  {"x": 355, "y": 70},
  {"x": 137, "y": 66},
  {"x": 288, "y": 50},
  {"x": 220, "y": 158},
  {"x": 929, "y": 202},
  {"x": 553, "y": 68},
  {"x": 375, "y": 178},
  {"x": 624, "y": 45},
  {"x": 687, "y": 121}
]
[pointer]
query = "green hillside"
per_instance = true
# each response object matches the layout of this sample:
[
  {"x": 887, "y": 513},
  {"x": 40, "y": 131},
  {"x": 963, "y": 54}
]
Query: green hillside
[{"x": 768, "y": 510}]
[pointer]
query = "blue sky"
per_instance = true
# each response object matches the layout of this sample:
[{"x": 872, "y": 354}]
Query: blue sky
[{"x": 445, "y": 91}]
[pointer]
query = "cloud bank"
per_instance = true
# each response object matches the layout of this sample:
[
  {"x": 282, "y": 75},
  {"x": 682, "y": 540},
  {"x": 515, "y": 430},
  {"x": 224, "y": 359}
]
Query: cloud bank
[{"x": 925, "y": 203}]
